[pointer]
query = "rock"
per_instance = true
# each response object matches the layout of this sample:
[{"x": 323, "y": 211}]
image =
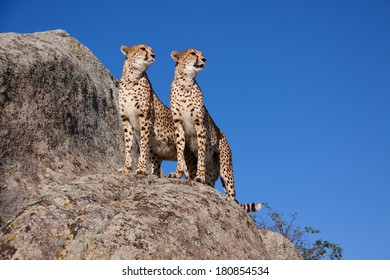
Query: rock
[
  {"x": 115, "y": 216},
  {"x": 58, "y": 115},
  {"x": 58, "y": 106},
  {"x": 279, "y": 247},
  {"x": 60, "y": 194}
]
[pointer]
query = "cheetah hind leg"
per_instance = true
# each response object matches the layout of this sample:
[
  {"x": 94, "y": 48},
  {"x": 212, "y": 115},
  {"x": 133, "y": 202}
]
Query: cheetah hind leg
[
  {"x": 212, "y": 172},
  {"x": 191, "y": 163},
  {"x": 155, "y": 165}
]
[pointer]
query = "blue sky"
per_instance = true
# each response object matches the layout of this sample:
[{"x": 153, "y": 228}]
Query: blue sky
[{"x": 300, "y": 88}]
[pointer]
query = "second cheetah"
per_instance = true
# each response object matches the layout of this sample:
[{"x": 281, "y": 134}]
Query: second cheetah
[{"x": 196, "y": 129}]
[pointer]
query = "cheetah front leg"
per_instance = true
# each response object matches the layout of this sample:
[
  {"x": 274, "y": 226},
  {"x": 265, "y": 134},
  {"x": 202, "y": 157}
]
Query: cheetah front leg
[
  {"x": 212, "y": 170},
  {"x": 201, "y": 135},
  {"x": 128, "y": 132},
  {"x": 144, "y": 146},
  {"x": 181, "y": 167}
]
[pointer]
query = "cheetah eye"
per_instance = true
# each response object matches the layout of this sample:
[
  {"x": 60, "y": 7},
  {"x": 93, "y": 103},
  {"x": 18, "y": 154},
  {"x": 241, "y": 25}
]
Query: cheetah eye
[
  {"x": 143, "y": 49},
  {"x": 192, "y": 53}
]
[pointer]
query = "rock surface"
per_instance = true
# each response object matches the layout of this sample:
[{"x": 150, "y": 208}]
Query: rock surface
[
  {"x": 60, "y": 195},
  {"x": 58, "y": 115},
  {"x": 115, "y": 216},
  {"x": 279, "y": 247}
]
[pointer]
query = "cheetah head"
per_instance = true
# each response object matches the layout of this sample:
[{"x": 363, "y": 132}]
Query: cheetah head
[
  {"x": 190, "y": 61},
  {"x": 138, "y": 56}
]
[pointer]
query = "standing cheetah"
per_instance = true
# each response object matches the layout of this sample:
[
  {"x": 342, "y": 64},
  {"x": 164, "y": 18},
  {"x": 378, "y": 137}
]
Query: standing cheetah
[
  {"x": 147, "y": 122},
  {"x": 196, "y": 129}
]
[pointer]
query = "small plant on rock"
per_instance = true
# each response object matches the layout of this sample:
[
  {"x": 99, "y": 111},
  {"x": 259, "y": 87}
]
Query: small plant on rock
[{"x": 317, "y": 250}]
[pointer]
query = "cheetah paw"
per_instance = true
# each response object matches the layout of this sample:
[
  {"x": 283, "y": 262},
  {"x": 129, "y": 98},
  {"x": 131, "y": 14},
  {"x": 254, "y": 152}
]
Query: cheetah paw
[
  {"x": 176, "y": 175},
  {"x": 200, "y": 180},
  {"x": 124, "y": 169},
  {"x": 141, "y": 172}
]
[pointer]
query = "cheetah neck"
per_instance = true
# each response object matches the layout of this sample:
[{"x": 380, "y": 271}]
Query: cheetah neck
[
  {"x": 184, "y": 79},
  {"x": 132, "y": 75}
]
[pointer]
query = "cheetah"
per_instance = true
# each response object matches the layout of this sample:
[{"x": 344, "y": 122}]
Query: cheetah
[
  {"x": 147, "y": 122},
  {"x": 196, "y": 129}
]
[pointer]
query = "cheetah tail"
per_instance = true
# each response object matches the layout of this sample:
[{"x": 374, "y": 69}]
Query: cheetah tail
[{"x": 250, "y": 207}]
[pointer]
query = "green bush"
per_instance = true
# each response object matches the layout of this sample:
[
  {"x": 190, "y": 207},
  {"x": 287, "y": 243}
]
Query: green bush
[{"x": 300, "y": 237}]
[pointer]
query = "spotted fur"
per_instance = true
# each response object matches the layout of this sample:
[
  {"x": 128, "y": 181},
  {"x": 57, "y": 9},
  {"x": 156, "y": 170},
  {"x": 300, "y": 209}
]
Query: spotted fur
[
  {"x": 147, "y": 122},
  {"x": 196, "y": 129}
]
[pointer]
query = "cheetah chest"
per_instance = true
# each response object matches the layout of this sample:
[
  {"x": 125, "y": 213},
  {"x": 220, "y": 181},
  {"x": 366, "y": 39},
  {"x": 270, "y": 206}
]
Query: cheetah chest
[
  {"x": 188, "y": 116},
  {"x": 130, "y": 110}
]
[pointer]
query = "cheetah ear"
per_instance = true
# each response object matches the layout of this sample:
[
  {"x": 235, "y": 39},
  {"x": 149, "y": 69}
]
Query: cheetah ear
[
  {"x": 175, "y": 56},
  {"x": 124, "y": 50}
]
